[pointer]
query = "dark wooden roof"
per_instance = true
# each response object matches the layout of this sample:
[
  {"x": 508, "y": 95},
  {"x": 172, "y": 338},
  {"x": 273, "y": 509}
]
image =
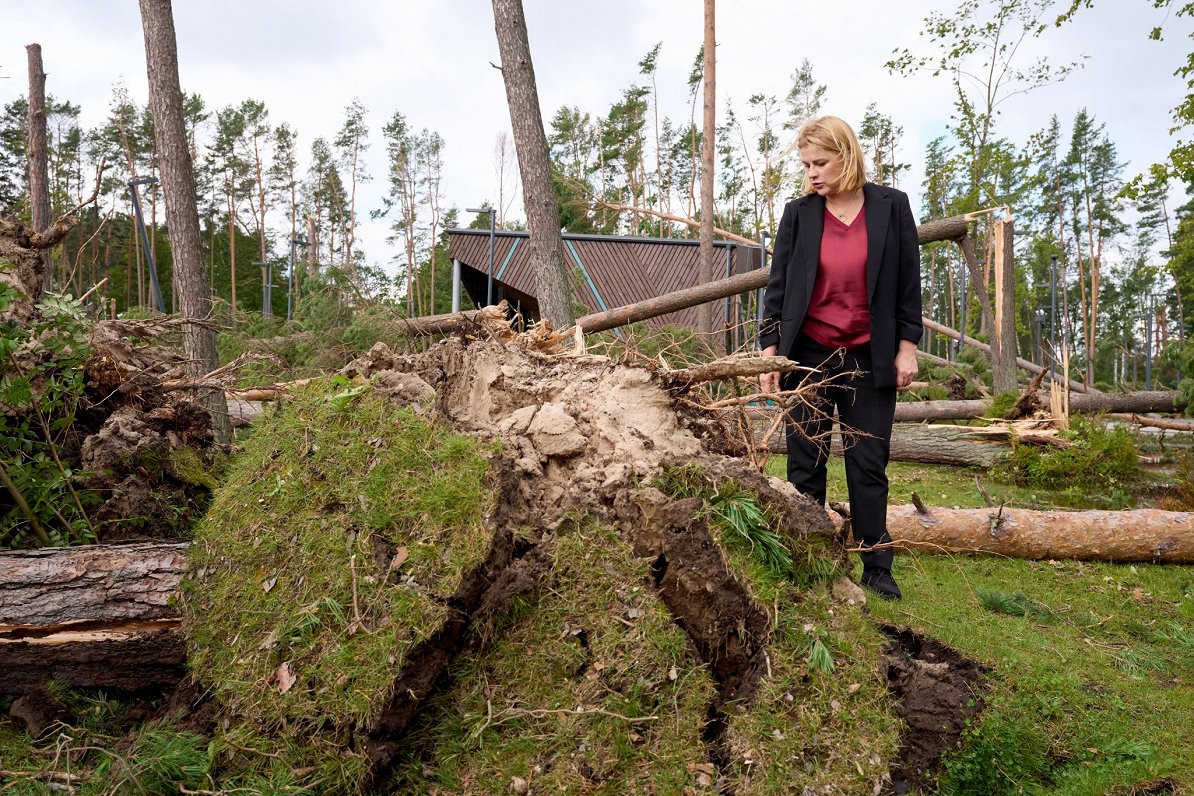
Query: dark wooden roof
[{"x": 607, "y": 271}]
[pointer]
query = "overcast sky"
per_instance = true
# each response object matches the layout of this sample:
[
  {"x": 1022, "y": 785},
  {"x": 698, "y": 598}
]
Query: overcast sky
[{"x": 307, "y": 59}]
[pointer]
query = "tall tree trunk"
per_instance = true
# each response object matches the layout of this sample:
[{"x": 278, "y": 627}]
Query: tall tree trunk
[
  {"x": 534, "y": 164},
  {"x": 232, "y": 248},
  {"x": 312, "y": 247},
  {"x": 39, "y": 175},
  {"x": 182, "y": 215},
  {"x": 708, "y": 138},
  {"x": 1003, "y": 366}
]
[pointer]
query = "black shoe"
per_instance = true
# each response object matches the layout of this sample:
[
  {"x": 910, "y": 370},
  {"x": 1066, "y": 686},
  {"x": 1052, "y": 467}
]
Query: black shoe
[{"x": 881, "y": 582}]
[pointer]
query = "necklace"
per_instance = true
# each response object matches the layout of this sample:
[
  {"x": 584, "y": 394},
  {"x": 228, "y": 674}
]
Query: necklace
[{"x": 841, "y": 215}]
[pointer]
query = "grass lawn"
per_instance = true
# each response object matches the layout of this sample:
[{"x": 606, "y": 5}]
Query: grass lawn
[{"x": 1091, "y": 664}]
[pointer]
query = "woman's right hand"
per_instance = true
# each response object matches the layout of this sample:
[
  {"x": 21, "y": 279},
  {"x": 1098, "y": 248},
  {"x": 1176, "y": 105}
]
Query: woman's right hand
[{"x": 769, "y": 382}]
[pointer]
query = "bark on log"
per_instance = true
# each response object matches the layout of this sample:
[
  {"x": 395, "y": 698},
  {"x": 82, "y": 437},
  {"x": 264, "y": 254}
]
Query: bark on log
[
  {"x": 1143, "y": 535},
  {"x": 1158, "y": 422},
  {"x": 38, "y": 163},
  {"x": 963, "y": 446},
  {"x": 730, "y": 368},
  {"x": 91, "y": 616},
  {"x": 1125, "y": 402}
]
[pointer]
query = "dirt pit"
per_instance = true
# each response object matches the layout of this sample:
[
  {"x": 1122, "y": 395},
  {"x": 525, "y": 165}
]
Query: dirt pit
[{"x": 938, "y": 691}]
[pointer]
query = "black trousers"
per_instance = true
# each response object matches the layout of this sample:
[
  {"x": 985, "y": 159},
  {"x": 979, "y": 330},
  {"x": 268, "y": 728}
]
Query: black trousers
[{"x": 866, "y": 413}]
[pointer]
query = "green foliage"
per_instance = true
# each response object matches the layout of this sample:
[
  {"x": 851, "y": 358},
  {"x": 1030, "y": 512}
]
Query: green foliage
[
  {"x": 1097, "y": 457},
  {"x": 1002, "y": 404},
  {"x": 819, "y": 658},
  {"x": 736, "y": 511},
  {"x": 41, "y": 381},
  {"x": 1182, "y": 497},
  {"x": 1013, "y": 604},
  {"x": 157, "y": 762},
  {"x": 998, "y": 757},
  {"x": 325, "y": 334},
  {"x": 1186, "y": 366}
]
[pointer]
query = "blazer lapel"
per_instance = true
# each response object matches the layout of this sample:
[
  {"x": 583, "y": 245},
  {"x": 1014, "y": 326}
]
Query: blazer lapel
[
  {"x": 878, "y": 216},
  {"x": 812, "y": 225}
]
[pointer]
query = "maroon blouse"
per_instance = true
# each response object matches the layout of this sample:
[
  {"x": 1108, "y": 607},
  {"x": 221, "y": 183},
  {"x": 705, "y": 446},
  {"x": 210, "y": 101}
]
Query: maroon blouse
[{"x": 839, "y": 314}]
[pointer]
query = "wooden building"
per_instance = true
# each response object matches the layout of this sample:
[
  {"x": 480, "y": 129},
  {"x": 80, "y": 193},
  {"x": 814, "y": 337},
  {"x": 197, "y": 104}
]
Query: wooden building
[{"x": 606, "y": 271}]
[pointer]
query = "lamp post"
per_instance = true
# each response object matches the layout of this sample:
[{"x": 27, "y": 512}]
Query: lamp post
[
  {"x": 267, "y": 278},
  {"x": 761, "y": 293},
  {"x": 295, "y": 242},
  {"x": 153, "y": 271},
  {"x": 492, "y": 231},
  {"x": 1148, "y": 341},
  {"x": 1039, "y": 333}
]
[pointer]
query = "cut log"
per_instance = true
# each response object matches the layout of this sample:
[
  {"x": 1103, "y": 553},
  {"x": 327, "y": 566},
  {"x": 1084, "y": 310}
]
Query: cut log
[
  {"x": 1121, "y": 402},
  {"x": 1158, "y": 422},
  {"x": 95, "y": 616},
  {"x": 726, "y": 368},
  {"x": 964, "y": 446},
  {"x": 1141, "y": 535}
]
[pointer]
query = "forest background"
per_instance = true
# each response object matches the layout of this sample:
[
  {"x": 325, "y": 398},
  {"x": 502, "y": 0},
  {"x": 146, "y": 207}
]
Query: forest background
[{"x": 381, "y": 125}]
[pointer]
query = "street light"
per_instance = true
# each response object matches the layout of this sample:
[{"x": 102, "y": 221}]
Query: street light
[
  {"x": 153, "y": 271},
  {"x": 492, "y": 232},
  {"x": 1148, "y": 342},
  {"x": 761, "y": 292},
  {"x": 267, "y": 293},
  {"x": 295, "y": 241}
]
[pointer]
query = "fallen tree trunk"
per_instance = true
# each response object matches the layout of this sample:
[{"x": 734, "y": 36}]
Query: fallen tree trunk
[
  {"x": 964, "y": 446},
  {"x": 1144, "y": 535},
  {"x": 1158, "y": 422},
  {"x": 1031, "y": 367},
  {"x": 95, "y": 616},
  {"x": 952, "y": 228},
  {"x": 1117, "y": 402}
]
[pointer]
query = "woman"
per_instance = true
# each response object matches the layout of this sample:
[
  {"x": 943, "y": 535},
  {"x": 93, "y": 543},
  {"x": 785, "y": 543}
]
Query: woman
[{"x": 844, "y": 296}]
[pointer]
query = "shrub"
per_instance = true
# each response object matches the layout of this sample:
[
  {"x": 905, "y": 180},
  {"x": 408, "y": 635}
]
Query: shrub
[
  {"x": 41, "y": 382},
  {"x": 1182, "y": 497},
  {"x": 1097, "y": 457}
]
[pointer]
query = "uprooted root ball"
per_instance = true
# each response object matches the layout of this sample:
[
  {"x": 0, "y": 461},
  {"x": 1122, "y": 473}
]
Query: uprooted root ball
[{"x": 472, "y": 570}]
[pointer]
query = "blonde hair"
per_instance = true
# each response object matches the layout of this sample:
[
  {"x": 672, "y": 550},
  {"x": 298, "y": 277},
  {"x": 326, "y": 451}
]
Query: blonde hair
[{"x": 837, "y": 138}]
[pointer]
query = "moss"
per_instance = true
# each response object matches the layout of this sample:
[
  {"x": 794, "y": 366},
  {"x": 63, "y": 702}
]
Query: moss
[
  {"x": 341, "y": 532},
  {"x": 1002, "y": 404},
  {"x": 588, "y": 686},
  {"x": 187, "y": 466}
]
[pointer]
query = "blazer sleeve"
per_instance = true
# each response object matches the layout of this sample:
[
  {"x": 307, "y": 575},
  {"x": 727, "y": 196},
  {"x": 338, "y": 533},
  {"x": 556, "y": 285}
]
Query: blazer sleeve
[
  {"x": 909, "y": 323},
  {"x": 773, "y": 299}
]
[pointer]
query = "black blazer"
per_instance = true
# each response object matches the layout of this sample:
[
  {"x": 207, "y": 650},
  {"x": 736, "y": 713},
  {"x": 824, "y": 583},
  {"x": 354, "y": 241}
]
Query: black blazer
[{"x": 892, "y": 275}]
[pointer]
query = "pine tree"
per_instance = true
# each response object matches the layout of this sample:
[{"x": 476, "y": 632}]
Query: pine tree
[{"x": 351, "y": 144}]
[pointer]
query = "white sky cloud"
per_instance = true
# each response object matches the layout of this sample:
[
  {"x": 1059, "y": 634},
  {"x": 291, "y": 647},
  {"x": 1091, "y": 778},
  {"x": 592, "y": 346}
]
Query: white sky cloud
[{"x": 307, "y": 59}]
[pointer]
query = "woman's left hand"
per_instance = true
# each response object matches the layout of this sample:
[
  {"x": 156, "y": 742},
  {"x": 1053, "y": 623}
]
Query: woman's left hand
[{"x": 905, "y": 363}]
